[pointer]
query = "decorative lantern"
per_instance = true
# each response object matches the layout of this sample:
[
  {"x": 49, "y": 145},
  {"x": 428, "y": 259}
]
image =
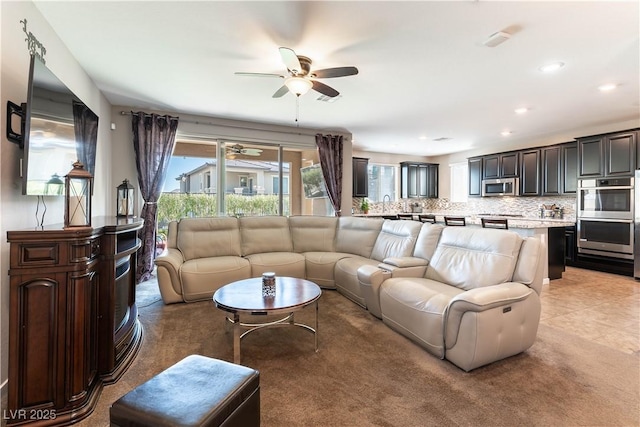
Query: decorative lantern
[
  {"x": 78, "y": 185},
  {"x": 126, "y": 199}
]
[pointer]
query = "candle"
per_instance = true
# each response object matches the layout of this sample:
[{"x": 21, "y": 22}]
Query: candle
[{"x": 78, "y": 215}]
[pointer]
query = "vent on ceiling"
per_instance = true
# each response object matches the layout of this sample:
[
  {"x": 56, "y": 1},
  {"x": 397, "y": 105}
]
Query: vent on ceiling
[
  {"x": 442, "y": 138},
  {"x": 326, "y": 98},
  {"x": 496, "y": 38}
]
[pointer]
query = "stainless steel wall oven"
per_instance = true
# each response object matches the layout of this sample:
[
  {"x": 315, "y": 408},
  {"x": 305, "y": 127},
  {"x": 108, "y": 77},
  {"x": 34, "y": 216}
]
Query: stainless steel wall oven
[{"x": 606, "y": 217}]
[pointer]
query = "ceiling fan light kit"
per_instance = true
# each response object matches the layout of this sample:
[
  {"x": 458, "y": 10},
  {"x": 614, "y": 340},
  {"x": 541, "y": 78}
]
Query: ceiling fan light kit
[
  {"x": 497, "y": 38},
  {"x": 298, "y": 85}
]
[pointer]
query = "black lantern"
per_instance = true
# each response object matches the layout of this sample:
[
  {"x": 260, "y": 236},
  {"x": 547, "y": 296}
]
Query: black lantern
[
  {"x": 126, "y": 199},
  {"x": 78, "y": 185}
]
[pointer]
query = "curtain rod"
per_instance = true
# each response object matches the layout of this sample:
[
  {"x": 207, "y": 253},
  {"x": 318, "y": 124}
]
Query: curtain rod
[{"x": 127, "y": 113}]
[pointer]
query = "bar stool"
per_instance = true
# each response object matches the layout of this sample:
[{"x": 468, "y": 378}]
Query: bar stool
[
  {"x": 427, "y": 218},
  {"x": 500, "y": 223},
  {"x": 391, "y": 217},
  {"x": 455, "y": 220},
  {"x": 405, "y": 216}
]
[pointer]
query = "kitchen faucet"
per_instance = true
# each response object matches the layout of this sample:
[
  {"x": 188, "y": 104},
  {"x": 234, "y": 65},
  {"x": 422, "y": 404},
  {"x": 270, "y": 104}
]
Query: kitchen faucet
[{"x": 383, "y": 199}]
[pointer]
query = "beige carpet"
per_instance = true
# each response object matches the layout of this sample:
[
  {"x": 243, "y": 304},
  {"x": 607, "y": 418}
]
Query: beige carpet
[{"x": 367, "y": 375}]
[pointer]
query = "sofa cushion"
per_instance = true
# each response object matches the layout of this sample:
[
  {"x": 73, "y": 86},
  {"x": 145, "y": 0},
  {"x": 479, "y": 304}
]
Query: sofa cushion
[
  {"x": 427, "y": 240},
  {"x": 203, "y": 276},
  {"x": 282, "y": 263},
  {"x": 260, "y": 234},
  {"x": 346, "y": 277},
  {"x": 415, "y": 307},
  {"x": 313, "y": 233},
  {"x": 396, "y": 239},
  {"x": 320, "y": 267},
  {"x": 468, "y": 257},
  {"x": 208, "y": 237},
  {"x": 357, "y": 235}
]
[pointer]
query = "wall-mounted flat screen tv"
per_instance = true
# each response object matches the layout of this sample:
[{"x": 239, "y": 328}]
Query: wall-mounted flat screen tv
[
  {"x": 59, "y": 130},
  {"x": 313, "y": 182}
]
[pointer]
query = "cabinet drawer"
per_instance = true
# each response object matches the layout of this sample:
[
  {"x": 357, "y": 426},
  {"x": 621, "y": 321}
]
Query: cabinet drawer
[
  {"x": 38, "y": 254},
  {"x": 84, "y": 251}
]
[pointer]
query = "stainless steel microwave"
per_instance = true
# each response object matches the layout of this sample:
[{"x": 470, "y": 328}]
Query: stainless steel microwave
[{"x": 500, "y": 187}]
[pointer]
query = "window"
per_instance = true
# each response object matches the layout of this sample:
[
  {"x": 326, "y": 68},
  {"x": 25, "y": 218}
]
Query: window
[
  {"x": 459, "y": 182},
  {"x": 382, "y": 181},
  {"x": 285, "y": 185}
]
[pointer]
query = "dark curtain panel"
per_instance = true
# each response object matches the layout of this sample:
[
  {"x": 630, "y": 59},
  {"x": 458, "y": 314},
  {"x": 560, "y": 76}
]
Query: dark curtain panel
[
  {"x": 330, "y": 153},
  {"x": 154, "y": 137},
  {"x": 85, "y": 127}
]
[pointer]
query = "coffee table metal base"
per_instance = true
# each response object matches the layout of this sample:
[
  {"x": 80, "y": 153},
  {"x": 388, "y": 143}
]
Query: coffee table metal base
[{"x": 289, "y": 320}]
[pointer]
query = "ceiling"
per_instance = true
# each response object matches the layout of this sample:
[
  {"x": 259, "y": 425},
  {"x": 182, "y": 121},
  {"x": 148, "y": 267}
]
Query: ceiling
[{"x": 424, "y": 73}]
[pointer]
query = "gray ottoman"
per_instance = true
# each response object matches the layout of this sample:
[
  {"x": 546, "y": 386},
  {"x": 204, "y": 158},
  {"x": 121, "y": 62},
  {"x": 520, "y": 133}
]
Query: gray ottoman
[{"x": 197, "y": 391}]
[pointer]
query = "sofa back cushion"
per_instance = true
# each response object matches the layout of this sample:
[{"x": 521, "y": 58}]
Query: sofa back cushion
[
  {"x": 530, "y": 268},
  {"x": 208, "y": 237},
  {"x": 427, "y": 240},
  {"x": 469, "y": 257},
  {"x": 261, "y": 234},
  {"x": 396, "y": 239},
  {"x": 313, "y": 233},
  {"x": 357, "y": 235}
]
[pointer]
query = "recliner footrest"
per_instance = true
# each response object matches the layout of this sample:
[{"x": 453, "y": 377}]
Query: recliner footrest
[{"x": 197, "y": 391}]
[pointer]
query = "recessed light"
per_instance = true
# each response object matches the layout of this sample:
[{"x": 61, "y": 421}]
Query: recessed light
[
  {"x": 550, "y": 68},
  {"x": 506, "y": 133},
  {"x": 521, "y": 110},
  {"x": 422, "y": 138},
  {"x": 607, "y": 87}
]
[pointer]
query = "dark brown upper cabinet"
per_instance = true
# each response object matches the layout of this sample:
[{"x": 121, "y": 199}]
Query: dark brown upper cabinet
[
  {"x": 418, "y": 180},
  {"x": 360, "y": 177},
  {"x": 607, "y": 155},
  {"x": 530, "y": 181},
  {"x": 475, "y": 176},
  {"x": 504, "y": 165}
]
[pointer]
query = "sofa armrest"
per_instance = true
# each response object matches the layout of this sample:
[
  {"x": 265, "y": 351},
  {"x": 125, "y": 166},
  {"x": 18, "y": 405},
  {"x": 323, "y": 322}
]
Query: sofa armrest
[
  {"x": 482, "y": 299},
  {"x": 407, "y": 261},
  {"x": 168, "y": 272},
  {"x": 370, "y": 278}
]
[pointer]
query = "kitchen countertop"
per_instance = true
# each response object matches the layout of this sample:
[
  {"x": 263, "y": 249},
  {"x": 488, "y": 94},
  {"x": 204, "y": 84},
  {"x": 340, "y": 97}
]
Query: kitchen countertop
[{"x": 472, "y": 219}]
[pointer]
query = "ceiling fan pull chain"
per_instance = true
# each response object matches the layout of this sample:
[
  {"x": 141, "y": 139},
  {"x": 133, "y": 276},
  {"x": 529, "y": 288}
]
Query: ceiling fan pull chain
[{"x": 297, "y": 110}]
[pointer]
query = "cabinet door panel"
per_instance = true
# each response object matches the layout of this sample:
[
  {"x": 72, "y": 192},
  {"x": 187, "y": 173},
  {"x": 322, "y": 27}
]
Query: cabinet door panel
[
  {"x": 475, "y": 177},
  {"x": 530, "y": 174},
  {"x": 570, "y": 168},
  {"x": 551, "y": 171},
  {"x": 432, "y": 181},
  {"x": 423, "y": 186},
  {"x": 509, "y": 165},
  {"x": 590, "y": 157},
  {"x": 360, "y": 177},
  {"x": 490, "y": 167},
  {"x": 620, "y": 152}
]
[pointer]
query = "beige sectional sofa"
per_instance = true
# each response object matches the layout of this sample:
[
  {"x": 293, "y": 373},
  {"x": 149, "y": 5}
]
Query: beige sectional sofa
[{"x": 467, "y": 294}]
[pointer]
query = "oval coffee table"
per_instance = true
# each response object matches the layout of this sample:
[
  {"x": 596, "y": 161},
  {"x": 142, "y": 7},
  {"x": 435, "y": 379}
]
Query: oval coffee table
[{"x": 245, "y": 297}]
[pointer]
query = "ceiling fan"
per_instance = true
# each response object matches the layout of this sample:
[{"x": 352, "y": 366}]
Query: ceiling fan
[
  {"x": 301, "y": 78},
  {"x": 234, "y": 150}
]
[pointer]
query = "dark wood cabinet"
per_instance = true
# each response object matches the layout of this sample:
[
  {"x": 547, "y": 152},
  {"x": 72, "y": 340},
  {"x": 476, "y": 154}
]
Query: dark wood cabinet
[
  {"x": 475, "y": 176},
  {"x": 504, "y": 165},
  {"x": 418, "y": 180},
  {"x": 360, "y": 177},
  {"x": 569, "y": 158},
  {"x": 551, "y": 170},
  {"x": 62, "y": 297},
  {"x": 530, "y": 181},
  {"x": 607, "y": 155},
  {"x": 570, "y": 246}
]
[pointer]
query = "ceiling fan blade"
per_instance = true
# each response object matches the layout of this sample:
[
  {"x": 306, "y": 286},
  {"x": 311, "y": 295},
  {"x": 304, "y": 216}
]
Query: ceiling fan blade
[
  {"x": 280, "y": 92},
  {"x": 324, "y": 89},
  {"x": 258, "y": 74},
  {"x": 291, "y": 60},
  {"x": 250, "y": 152},
  {"x": 335, "y": 72}
]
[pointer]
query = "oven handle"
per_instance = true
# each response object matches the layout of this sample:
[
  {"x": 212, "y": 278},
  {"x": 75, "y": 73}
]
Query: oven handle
[
  {"x": 627, "y": 221},
  {"x": 622, "y": 187}
]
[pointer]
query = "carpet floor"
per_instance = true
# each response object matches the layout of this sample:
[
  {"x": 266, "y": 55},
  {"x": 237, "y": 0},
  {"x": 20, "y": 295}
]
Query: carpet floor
[{"x": 365, "y": 374}]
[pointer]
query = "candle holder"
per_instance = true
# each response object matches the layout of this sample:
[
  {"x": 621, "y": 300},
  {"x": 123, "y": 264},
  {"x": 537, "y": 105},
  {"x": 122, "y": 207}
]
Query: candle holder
[
  {"x": 269, "y": 284},
  {"x": 78, "y": 184}
]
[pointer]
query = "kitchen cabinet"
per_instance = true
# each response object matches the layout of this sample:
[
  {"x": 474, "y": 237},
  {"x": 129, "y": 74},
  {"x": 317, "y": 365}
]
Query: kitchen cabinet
[
  {"x": 571, "y": 248},
  {"x": 475, "y": 176},
  {"x": 60, "y": 299},
  {"x": 569, "y": 158},
  {"x": 530, "y": 181},
  {"x": 505, "y": 165},
  {"x": 360, "y": 177},
  {"x": 418, "y": 180},
  {"x": 607, "y": 155}
]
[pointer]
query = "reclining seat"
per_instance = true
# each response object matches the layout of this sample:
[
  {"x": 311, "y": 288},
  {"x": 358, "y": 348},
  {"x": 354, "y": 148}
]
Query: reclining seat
[
  {"x": 478, "y": 301},
  {"x": 395, "y": 239},
  {"x": 205, "y": 257},
  {"x": 266, "y": 244}
]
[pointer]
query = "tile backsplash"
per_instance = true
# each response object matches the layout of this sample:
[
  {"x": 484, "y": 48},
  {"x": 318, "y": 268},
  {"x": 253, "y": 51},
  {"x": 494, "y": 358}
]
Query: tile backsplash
[{"x": 528, "y": 207}]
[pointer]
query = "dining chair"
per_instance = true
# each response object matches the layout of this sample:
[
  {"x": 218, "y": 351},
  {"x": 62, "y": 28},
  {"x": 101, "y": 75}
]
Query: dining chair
[
  {"x": 501, "y": 223},
  {"x": 455, "y": 221},
  {"x": 427, "y": 218}
]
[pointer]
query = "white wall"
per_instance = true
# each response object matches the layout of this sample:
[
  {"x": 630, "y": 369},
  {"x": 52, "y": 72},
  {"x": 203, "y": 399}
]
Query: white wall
[{"x": 18, "y": 211}]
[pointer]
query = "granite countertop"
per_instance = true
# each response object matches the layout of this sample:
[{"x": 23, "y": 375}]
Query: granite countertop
[{"x": 473, "y": 219}]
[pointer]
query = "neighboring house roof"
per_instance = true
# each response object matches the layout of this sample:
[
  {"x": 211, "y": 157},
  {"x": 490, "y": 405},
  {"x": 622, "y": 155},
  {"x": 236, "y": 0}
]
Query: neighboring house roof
[{"x": 236, "y": 165}]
